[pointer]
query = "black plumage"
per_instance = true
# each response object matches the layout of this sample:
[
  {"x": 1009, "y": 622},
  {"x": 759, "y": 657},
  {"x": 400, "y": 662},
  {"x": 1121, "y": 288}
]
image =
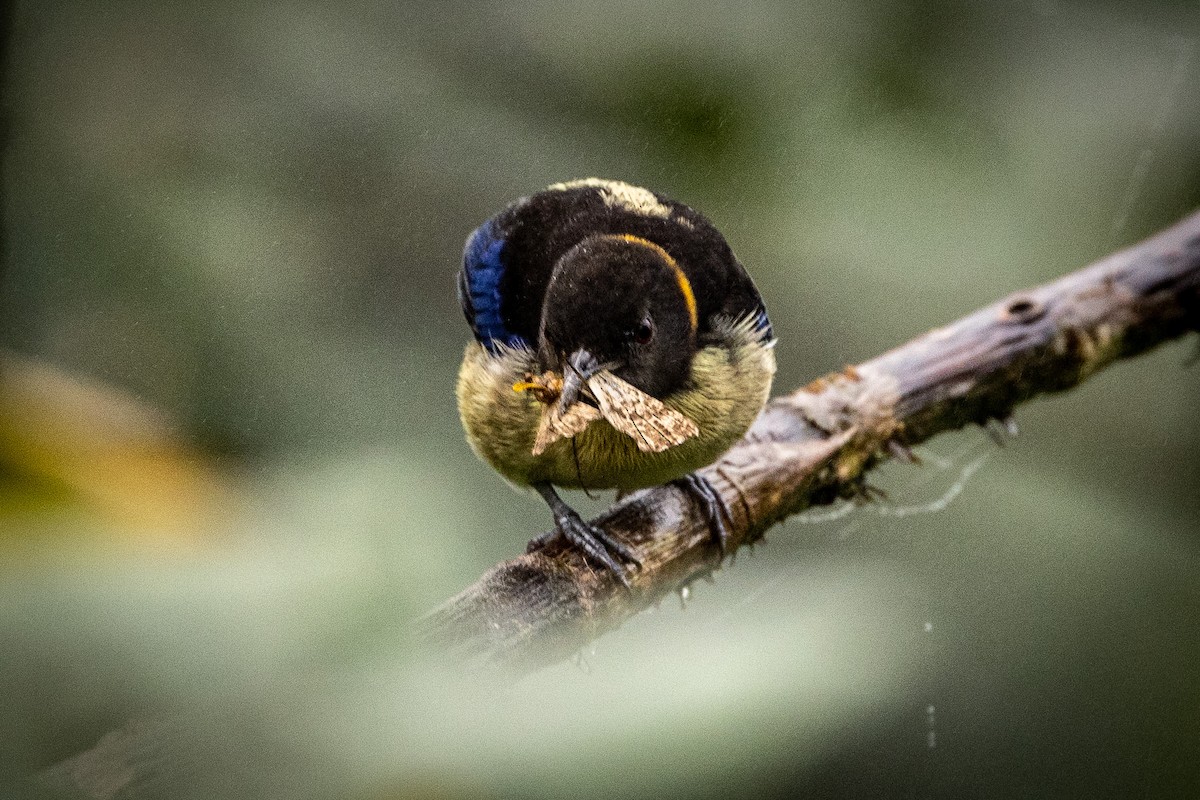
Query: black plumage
[{"x": 596, "y": 278}]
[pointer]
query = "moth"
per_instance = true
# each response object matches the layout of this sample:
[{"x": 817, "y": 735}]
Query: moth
[{"x": 652, "y": 425}]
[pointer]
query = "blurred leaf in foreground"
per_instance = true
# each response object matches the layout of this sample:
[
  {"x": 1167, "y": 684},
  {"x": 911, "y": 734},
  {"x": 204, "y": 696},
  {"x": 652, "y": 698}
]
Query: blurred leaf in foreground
[{"x": 70, "y": 445}]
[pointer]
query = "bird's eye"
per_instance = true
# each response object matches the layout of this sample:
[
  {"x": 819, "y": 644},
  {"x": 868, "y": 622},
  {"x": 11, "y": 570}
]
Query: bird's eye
[{"x": 644, "y": 332}]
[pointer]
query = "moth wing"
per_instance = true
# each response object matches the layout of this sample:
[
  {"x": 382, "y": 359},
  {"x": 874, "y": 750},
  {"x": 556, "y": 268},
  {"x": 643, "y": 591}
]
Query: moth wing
[
  {"x": 645, "y": 419},
  {"x": 555, "y": 425}
]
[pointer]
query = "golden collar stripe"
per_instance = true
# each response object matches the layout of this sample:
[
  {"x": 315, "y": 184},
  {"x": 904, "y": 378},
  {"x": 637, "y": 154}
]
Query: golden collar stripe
[{"x": 685, "y": 286}]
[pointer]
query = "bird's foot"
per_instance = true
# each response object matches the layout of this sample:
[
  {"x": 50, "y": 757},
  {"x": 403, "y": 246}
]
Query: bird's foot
[
  {"x": 596, "y": 543},
  {"x": 715, "y": 509}
]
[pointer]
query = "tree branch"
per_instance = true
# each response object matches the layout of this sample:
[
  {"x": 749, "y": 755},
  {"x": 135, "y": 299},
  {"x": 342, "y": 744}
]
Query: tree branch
[{"x": 815, "y": 445}]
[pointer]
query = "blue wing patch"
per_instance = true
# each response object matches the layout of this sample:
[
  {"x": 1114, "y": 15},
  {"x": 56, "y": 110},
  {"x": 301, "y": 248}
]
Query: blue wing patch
[
  {"x": 479, "y": 289},
  {"x": 763, "y": 325}
]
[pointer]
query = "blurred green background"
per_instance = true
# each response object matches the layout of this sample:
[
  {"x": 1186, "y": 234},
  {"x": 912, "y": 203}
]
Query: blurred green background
[{"x": 232, "y": 474}]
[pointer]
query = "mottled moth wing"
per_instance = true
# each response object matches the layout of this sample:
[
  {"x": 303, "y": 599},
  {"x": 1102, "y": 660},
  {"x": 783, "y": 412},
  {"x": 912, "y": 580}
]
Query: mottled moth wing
[
  {"x": 555, "y": 425},
  {"x": 636, "y": 414}
]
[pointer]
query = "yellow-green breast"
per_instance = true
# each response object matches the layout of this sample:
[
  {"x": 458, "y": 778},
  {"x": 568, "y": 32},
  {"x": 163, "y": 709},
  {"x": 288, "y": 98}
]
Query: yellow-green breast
[{"x": 729, "y": 385}]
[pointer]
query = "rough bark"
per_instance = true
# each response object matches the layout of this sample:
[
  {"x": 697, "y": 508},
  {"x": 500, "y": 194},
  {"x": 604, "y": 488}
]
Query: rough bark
[{"x": 816, "y": 444}]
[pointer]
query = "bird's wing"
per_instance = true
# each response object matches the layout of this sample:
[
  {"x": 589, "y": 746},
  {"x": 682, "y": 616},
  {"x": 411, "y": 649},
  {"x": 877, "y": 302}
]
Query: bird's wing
[{"x": 479, "y": 289}]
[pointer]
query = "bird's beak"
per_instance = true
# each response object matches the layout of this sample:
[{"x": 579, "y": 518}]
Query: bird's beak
[{"x": 581, "y": 365}]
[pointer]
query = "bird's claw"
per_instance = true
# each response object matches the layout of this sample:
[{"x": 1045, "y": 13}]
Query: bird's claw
[
  {"x": 715, "y": 509},
  {"x": 596, "y": 543}
]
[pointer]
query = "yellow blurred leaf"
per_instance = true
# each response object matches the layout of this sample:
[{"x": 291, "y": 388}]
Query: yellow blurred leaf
[{"x": 101, "y": 451}]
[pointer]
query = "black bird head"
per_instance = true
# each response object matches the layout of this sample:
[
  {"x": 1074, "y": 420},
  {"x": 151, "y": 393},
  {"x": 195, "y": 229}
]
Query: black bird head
[{"x": 618, "y": 302}]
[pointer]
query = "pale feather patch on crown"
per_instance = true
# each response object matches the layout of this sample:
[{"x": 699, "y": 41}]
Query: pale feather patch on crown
[{"x": 620, "y": 195}]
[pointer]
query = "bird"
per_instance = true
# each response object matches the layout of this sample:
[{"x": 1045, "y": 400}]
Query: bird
[{"x": 617, "y": 343}]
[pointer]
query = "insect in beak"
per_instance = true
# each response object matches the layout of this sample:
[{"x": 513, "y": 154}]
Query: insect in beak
[{"x": 581, "y": 365}]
